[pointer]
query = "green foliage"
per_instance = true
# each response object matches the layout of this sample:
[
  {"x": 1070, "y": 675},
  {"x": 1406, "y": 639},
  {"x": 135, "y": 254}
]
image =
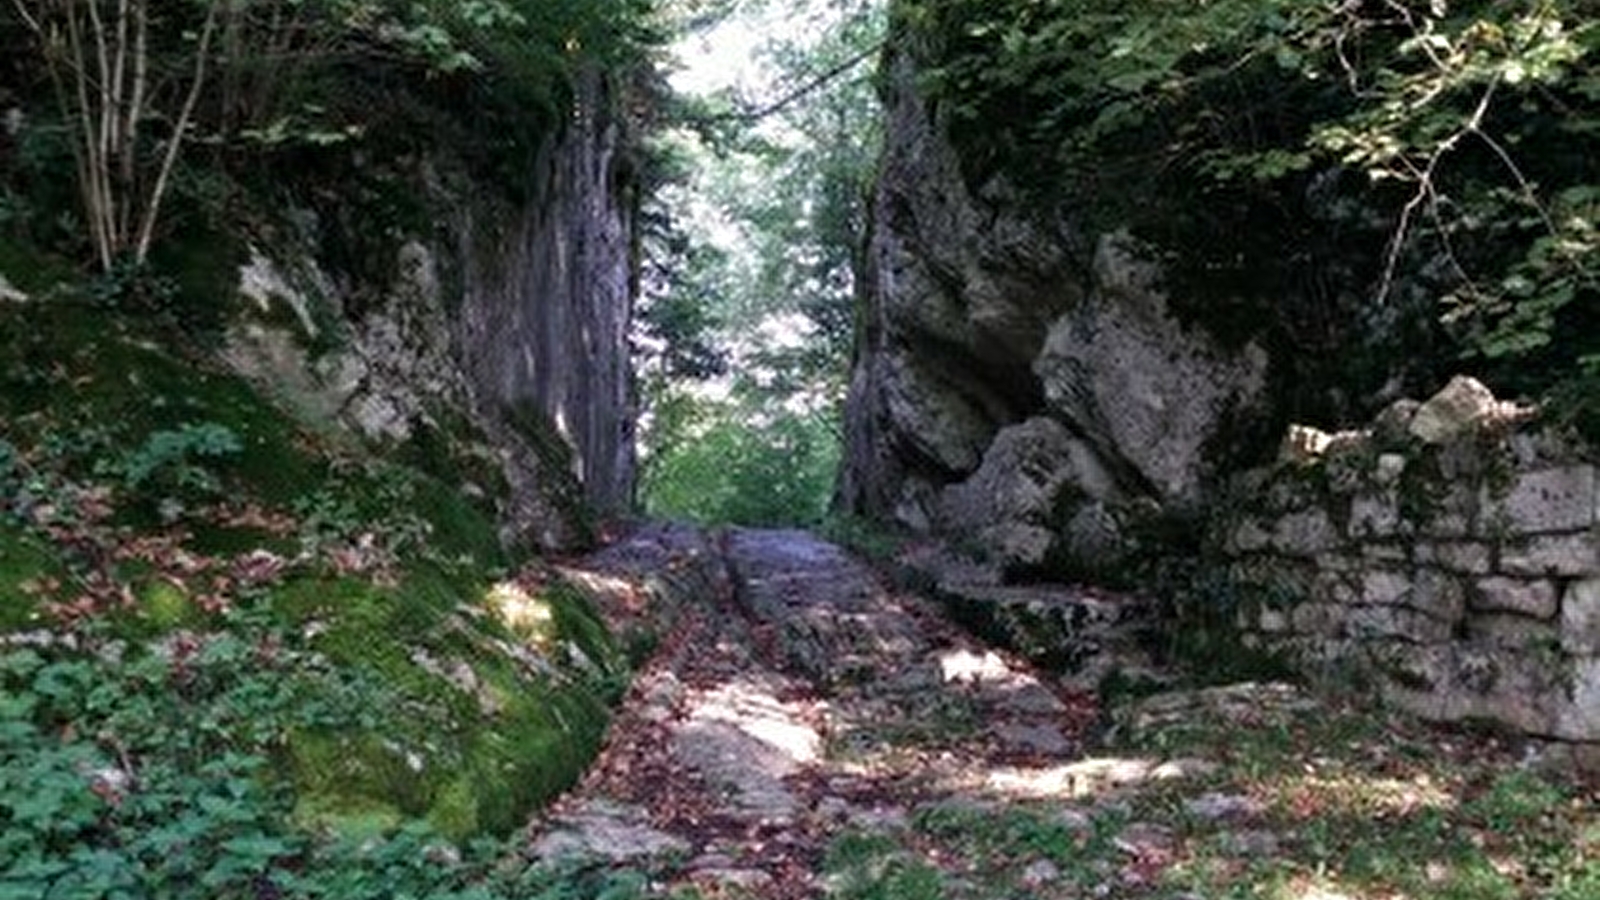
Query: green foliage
[
  {"x": 289, "y": 97},
  {"x": 734, "y": 464},
  {"x": 157, "y": 775},
  {"x": 1325, "y": 175},
  {"x": 870, "y": 867},
  {"x": 177, "y": 462}
]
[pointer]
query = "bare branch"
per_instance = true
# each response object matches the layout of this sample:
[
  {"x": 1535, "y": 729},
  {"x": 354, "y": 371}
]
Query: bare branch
[
  {"x": 158, "y": 191},
  {"x": 804, "y": 90},
  {"x": 27, "y": 17},
  {"x": 1426, "y": 191}
]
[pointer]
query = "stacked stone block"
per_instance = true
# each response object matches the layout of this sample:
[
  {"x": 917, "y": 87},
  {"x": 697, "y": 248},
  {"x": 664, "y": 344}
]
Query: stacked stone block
[{"x": 1451, "y": 553}]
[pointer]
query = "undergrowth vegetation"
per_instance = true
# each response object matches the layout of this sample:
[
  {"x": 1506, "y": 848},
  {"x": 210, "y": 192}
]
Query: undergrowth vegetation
[
  {"x": 734, "y": 464},
  {"x": 241, "y": 658},
  {"x": 1330, "y": 802}
]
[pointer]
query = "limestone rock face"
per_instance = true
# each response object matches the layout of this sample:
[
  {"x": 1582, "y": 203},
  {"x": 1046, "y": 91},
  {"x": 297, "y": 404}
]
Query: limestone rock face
[
  {"x": 512, "y": 321},
  {"x": 1019, "y": 383},
  {"x": 962, "y": 287},
  {"x": 1010, "y": 504},
  {"x": 394, "y": 362},
  {"x": 548, "y": 303},
  {"x": 1142, "y": 388},
  {"x": 1449, "y": 413}
]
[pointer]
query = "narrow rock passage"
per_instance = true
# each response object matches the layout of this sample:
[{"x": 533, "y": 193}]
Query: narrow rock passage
[{"x": 804, "y": 699}]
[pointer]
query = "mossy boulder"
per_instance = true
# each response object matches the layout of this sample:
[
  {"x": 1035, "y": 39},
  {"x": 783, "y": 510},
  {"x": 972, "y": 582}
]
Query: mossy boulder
[{"x": 492, "y": 707}]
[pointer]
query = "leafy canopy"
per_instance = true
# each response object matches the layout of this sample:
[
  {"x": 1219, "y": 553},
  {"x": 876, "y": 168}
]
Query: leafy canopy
[{"x": 1469, "y": 127}]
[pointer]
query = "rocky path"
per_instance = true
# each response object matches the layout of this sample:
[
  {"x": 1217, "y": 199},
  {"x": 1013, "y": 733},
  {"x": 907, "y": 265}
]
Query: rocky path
[
  {"x": 807, "y": 700},
  {"x": 803, "y": 730}
]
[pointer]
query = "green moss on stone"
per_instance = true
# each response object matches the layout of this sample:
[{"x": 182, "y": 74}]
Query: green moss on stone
[
  {"x": 23, "y": 559},
  {"x": 166, "y": 606},
  {"x": 31, "y": 270},
  {"x": 67, "y": 367},
  {"x": 463, "y": 732},
  {"x": 472, "y": 740},
  {"x": 460, "y": 527},
  {"x": 561, "y": 485}
]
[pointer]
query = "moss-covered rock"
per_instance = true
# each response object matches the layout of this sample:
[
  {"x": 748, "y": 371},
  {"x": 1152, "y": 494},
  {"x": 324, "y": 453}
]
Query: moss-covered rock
[
  {"x": 24, "y": 561},
  {"x": 486, "y": 719}
]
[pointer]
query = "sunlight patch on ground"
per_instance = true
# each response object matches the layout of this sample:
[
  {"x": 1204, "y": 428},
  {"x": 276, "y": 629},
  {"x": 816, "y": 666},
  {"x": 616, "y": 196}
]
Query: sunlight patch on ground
[
  {"x": 965, "y": 665},
  {"x": 1358, "y": 795},
  {"x": 1086, "y": 778},
  {"x": 759, "y": 715},
  {"x": 527, "y": 615},
  {"x": 1320, "y": 892}
]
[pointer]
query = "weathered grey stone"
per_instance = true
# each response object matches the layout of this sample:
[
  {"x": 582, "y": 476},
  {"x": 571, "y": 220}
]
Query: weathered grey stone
[
  {"x": 1033, "y": 737},
  {"x": 1450, "y": 513},
  {"x": 1064, "y": 629},
  {"x": 1010, "y": 503},
  {"x": 1324, "y": 619},
  {"x": 1565, "y": 554},
  {"x": 1145, "y": 390},
  {"x": 1248, "y": 537},
  {"x": 1340, "y": 562},
  {"x": 1580, "y": 618},
  {"x": 965, "y": 282},
  {"x": 1453, "y": 411},
  {"x": 1580, "y": 719},
  {"x": 1250, "y": 701},
  {"x": 1287, "y": 494},
  {"x": 1363, "y": 622},
  {"x": 1273, "y": 621},
  {"x": 1540, "y": 502},
  {"x": 1393, "y": 425},
  {"x": 1092, "y": 538},
  {"x": 1528, "y": 597},
  {"x": 1459, "y": 682},
  {"x": 608, "y": 831},
  {"x": 1384, "y": 554},
  {"x": 1467, "y": 558},
  {"x": 1512, "y": 633},
  {"x": 1385, "y": 587},
  {"x": 1340, "y": 586},
  {"x": 1039, "y": 873},
  {"x": 933, "y": 416},
  {"x": 1374, "y": 516},
  {"x": 1389, "y": 470},
  {"x": 1214, "y": 807},
  {"x": 1305, "y": 533},
  {"x": 1439, "y": 594}
]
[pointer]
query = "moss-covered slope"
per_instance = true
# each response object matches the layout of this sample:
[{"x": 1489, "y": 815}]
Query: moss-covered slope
[{"x": 154, "y": 506}]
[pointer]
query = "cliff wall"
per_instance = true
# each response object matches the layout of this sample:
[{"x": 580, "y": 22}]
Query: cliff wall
[{"x": 498, "y": 349}]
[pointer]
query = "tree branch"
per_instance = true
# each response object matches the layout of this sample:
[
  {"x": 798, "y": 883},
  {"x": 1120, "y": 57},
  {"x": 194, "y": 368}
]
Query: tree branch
[
  {"x": 158, "y": 191},
  {"x": 810, "y": 87}
]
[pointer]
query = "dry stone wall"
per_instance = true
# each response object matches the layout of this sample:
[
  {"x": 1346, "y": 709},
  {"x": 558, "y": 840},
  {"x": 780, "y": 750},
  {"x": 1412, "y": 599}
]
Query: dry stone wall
[{"x": 1451, "y": 553}]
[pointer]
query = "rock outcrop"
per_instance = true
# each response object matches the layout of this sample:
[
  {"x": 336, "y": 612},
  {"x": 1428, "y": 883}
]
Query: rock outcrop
[
  {"x": 1046, "y": 401},
  {"x": 503, "y": 336},
  {"x": 1020, "y": 384}
]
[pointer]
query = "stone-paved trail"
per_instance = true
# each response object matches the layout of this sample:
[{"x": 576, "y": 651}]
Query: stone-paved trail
[
  {"x": 807, "y": 699},
  {"x": 804, "y": 730}
]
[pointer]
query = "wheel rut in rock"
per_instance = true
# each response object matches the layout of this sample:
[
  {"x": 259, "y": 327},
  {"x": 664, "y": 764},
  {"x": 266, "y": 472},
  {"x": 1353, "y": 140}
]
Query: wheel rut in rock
[{"x": 803, "y": 698}]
